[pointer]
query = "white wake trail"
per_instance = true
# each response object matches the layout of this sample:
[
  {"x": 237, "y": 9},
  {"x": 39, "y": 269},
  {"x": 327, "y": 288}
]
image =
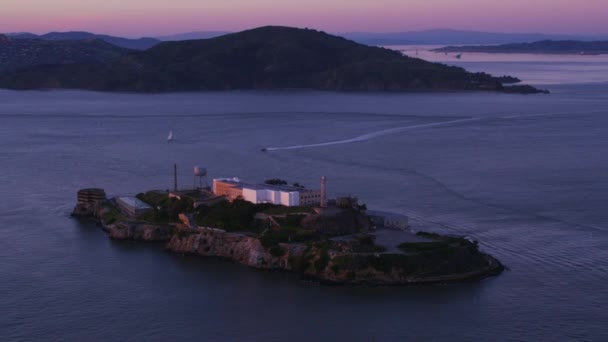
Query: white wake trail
[{"x": 371, "y": 135}]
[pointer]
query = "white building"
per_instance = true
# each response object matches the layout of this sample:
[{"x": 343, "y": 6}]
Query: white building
[
  {"x": 285, "y": 195},
  {"x": 260, "y": 194}
]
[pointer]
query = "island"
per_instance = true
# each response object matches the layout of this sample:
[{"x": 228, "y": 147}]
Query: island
[
  {"x": 270, "y": 57},
  {"x": 292, "y": 229},
  {"x": 24, "y": 53},
  {"x": 564, "y": 47}
]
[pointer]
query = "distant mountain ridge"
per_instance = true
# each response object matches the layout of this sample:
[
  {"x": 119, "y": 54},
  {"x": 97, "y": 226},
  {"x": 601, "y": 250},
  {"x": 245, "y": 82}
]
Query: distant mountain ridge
[
  {"x": 135, "y": 44},
  {"x": 18, "y": 54},
  {"x": 426, "y": 37},
  {"x": 264, "y": 58},
  {"x": 541, "y": 47},
  {"x": 192, "y": 35},
  {"x": 451, "y": 37}
]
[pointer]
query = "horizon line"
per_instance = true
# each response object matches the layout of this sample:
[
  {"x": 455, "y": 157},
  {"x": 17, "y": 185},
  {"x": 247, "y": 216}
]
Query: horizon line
[{"x": 312, "y": 28}]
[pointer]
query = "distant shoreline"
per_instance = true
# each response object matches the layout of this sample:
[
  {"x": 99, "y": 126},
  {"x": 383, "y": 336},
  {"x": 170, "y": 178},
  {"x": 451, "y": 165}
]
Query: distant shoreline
[{"x": 546, "y": 47}]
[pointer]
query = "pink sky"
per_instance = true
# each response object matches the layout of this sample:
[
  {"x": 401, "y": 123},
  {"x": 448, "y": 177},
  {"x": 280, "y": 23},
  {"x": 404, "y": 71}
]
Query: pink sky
[{"x": 158, "y": 17}]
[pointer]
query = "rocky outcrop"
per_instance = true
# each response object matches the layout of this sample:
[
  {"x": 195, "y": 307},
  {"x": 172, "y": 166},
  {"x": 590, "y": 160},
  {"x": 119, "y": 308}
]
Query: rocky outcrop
[
  {"x": 85, "y": 210},
  {"x": 334, "y": 263},
  {"x": 402, "y": 269},
  {"x": 139, "y": 231},
  {"x": 90, "y": 203},
  {"x": 243, "y": 249}
]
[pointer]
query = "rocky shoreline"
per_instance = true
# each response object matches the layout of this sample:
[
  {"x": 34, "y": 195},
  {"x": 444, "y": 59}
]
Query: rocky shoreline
[{"x": 327, "y": 261}]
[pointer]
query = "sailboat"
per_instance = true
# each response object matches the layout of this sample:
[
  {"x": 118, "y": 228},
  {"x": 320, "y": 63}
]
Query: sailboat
[{"x": 170, "y": 137}]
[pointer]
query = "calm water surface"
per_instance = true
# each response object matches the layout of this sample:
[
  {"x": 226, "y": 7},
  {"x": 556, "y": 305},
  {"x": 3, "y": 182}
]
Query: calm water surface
[{"x": 527, "y": 176}]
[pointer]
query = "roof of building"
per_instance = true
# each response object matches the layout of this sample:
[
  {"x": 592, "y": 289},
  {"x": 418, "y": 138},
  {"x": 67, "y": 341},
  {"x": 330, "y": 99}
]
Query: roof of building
[
  {"x": 242, "y": 185},
  {"x": 134, "y": 202}
]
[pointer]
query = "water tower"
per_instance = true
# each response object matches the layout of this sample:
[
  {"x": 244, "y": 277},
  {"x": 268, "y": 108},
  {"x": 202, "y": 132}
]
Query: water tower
[{"x": 200, "y": 172}]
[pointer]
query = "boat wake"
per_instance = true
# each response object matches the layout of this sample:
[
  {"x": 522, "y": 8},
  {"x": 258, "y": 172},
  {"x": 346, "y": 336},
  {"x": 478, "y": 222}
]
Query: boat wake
[{"x": 372, "y": 135}]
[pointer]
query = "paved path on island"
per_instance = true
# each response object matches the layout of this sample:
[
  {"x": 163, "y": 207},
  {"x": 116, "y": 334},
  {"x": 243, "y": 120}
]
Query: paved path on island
[{"x": 391, "y": 238}]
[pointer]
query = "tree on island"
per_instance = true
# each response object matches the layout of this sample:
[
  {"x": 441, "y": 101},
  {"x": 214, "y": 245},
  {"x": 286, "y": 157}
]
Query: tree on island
[{"x": 275, "y": 181}]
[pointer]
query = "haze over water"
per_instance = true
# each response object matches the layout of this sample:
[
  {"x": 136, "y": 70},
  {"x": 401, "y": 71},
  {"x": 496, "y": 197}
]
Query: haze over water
[{"x": 526, "y": 175}]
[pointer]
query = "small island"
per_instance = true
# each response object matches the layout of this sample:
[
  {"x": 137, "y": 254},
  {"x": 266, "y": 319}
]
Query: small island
[
  {"x": 280, "y": 227},
  {"x": 554, "y": 47}
]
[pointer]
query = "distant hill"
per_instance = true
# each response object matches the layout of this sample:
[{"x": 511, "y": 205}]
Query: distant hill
[
  {"x": 18, "y": 54},
  {"x": 264, "y": 58},
  {"x": 135, "y": 44},
  {"x": 451, "y": 37},
  {"x": 542, "y": 47},
  {"x": 192, "y": 35}
]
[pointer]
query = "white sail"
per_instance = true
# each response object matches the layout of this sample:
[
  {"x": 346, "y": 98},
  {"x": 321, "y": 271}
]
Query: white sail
[{"x": 170, "y": 137}]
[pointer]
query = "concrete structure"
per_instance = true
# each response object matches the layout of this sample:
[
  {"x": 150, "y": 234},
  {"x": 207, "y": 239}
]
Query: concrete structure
[
  {"x": 323, "y": 193},
  {"x": 309, "y": 198},
  {"x": 396, "y": 221},
  {"x": 132, "y": 206},
  {"x": 229, "y": 187},
  {"x": 91, "y": 196},
  {"x": 285, "y": 195},
  {"x": 382, "y": 219}
]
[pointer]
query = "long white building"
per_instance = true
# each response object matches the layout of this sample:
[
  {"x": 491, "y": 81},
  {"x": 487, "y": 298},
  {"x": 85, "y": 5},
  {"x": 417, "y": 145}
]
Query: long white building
[
  {"x": 261, "y": 194},
  {"x": 288, "y": 196}
]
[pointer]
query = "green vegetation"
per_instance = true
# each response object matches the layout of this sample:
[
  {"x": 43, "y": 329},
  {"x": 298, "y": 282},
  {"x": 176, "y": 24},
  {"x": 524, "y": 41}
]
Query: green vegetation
[
  {"x": 299, "y": 263},
  {"x": 388, "y": 262},
  {"x": 16, "y": 54},
  {"x": 153, "y": 198},
  {"x": 441, "y": 244},
  {"x": 236, "y": 216},
  {"x": 164, "y": 209},
  {"x": 445, "y": 255},
  {"x": 156, "y": 216},
  {"x": 276, "y": 251},
  {"x": 432, "y": 236},
  {"x": 275, "y": 181},
  {"x": 273, "y": 237},
  {"x": 322, "y": 261},
  {"x": 263, "y": 58},
  {"x": 231, "y": 216},
  {"x": 417, "y": 247},
  {"x": 112, "y": 216},
  {"x": 367, "y": 244},
  {"x": 282, "y": 210},
  {"x": 290, "y": 221}
]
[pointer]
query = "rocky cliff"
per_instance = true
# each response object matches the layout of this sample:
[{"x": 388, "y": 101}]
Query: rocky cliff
[
  {"x": 335, "y": 262},
  {"x": 139, "y": 231},
  {"x": 246, "y": 250},
  {"x": 354, "y": 261}
]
